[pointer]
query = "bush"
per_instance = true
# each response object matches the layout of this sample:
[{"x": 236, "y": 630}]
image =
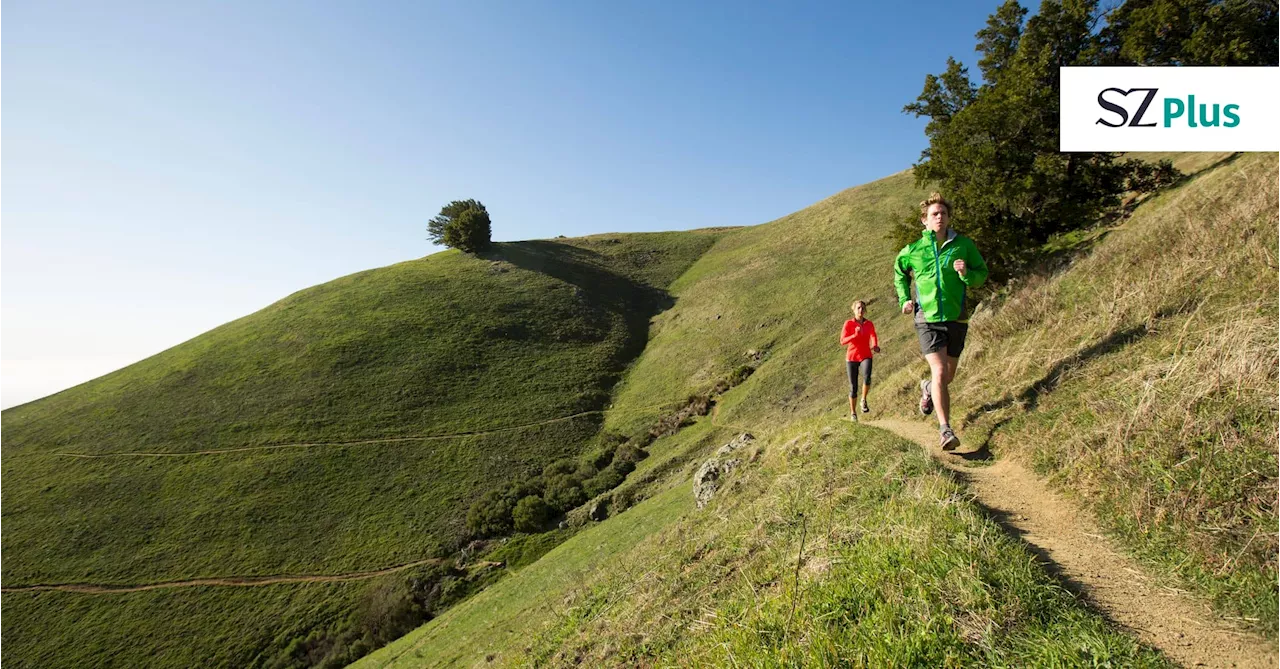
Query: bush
[
  {"x": 623, "y": 467},
  {"x": 462, "y": 225},
  {"x": 629, "y": 453},
  {"x": 559, "y": 467},
  {"x": 601, "y": 457},
  {"x": 606, "y": 480},
  {"x": 563, "y": 492},
  {"x": 740, "y": 374},
  {"x": 519, "y": 490},
  {"x": 586, "y": 470},
  {"x": 530, "y": 514},
  {"x": 490, "y": 515}
]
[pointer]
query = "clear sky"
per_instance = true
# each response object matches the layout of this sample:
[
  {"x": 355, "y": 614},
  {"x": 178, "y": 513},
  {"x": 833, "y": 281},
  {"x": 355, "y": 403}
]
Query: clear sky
[{"x": 171, "y": 166}]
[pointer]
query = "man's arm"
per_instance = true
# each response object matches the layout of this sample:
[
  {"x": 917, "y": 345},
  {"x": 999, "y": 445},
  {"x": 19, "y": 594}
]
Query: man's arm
[
  {"x": 977, "y": 268},
  {"x": 902, "y": 275}
]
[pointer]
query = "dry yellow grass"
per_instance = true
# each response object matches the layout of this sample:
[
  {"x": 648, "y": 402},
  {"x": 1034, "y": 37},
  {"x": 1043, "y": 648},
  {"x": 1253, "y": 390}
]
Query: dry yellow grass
[{"x": 1144, "y": 378}]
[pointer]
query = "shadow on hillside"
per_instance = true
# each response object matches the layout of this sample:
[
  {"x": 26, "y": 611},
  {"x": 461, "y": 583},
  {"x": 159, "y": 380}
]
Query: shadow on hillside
[
  {"x": 1052, "y": 262},
  {"x": 634, "y": 302},
  {"x": 1030, "y": 397}
]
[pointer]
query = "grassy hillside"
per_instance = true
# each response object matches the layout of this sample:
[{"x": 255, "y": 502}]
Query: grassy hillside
[
  {"x": 782, "y": 290},
  {"x": 313, "y": 438},
  {"x": 898, "y": 568},
  {"x": 1143, "y": 379},
  {"x": 716, "y": 585}
]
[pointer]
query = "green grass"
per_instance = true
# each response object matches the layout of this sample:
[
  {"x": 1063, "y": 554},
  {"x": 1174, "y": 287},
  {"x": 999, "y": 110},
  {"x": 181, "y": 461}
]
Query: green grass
[
  {"x": 498, "y": 620},
  {"x": 443, "y": 345},
  {"x": 899, "y": 569}
]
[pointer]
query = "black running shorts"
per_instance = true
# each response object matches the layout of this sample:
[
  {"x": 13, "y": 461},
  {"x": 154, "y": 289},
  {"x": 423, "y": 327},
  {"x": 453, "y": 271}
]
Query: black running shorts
[
  {"x": 948, "y": 336},
  {"x": 858, "y": 369}
]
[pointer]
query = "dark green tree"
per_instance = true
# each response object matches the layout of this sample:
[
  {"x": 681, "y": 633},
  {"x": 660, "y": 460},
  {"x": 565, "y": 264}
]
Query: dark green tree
[
  {"x": 993, "y": 148},
  {"x": 1193, "y": 32},
  {"x": 462, "y": 225}
]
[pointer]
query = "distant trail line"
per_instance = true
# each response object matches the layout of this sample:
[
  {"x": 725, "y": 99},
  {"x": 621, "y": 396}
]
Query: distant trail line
[
  {"x": 230, "y": 581},
  {"x": 1180, "y": 626},
  {"x": 357, "y": 442}
]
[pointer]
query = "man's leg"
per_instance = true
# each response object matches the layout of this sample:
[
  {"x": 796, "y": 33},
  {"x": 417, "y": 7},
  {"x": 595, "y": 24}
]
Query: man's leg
[
  {"x": 939, "y": 368},
  {"x": 942, "y": 401}
]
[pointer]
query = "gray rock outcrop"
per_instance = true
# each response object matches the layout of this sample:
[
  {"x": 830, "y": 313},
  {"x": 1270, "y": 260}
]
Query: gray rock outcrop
[{"x": 707, "y": 479}]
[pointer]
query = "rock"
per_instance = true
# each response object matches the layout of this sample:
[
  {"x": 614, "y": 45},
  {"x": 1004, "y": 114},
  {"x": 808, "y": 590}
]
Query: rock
[
  {"x": 599, "y": 510},
  {"x": 707, "y": 479},
  {"x": 563, "y": 525}
]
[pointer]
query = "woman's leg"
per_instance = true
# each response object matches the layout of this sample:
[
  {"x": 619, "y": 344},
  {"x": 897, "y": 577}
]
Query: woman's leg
[{"x": 852, "y": 369}]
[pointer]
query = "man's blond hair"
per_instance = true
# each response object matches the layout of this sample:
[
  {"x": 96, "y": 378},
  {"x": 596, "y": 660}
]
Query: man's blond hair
[
  {"x": 854, "y": 306},
  {"x": 934, "y": 198}
]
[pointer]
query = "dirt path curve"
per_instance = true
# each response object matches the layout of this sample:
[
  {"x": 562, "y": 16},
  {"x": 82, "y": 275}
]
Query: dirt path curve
[
  {"x": 1068, "y": 539},
  {"x": 234, "y": 581}
]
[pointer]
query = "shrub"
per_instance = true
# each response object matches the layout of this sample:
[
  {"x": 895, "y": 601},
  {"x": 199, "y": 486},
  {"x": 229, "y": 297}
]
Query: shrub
[
  {"x": 623, "y": 467},
  {"x": 606, "y": 480},
  {"x": 530, "y": 514},
  {"x": 519, "y": 490},
  {"x": 559, "y": 467},
  {"x": 740, "y": 374},
  {"x": 490, "y": 515},
  {"x": 601, "y": 457},
  {"x": 563, "y": 492},
  {"x": 629, "y": 453}
]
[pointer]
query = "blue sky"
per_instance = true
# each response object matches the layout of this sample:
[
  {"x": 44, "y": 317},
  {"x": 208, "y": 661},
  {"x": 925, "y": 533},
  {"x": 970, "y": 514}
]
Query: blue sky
[{"x": 169, "y": 167}]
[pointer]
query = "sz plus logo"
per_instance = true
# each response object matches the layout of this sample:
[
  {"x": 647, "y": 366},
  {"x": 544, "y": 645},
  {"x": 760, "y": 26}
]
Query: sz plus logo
[
  {"x": 1117, "y": 102},
  {"x": 1119, "y": 109}
]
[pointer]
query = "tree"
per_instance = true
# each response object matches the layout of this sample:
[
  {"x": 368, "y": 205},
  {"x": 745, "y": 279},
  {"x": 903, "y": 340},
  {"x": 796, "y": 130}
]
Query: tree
[
  {"x": 993, "y": 148},
  {"x": 1193, "y": 32},
  {"x": 462, "y": 225}
]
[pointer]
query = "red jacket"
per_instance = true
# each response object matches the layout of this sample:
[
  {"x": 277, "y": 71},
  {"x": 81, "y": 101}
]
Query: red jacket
[{"x": 860, "y": 338}]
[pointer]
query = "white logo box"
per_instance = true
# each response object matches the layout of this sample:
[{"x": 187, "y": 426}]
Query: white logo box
[{"x": 1254, "y": 92}]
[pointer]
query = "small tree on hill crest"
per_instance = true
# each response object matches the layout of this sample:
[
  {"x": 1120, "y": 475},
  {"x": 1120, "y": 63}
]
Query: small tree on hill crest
[{"x": 462, "y": 225}]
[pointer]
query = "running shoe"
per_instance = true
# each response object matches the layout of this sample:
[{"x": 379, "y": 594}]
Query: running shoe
[
  {"x": 865, "y": 408},
  {"x": 949, "y": 439},
  {"x": 926, "y": 399}
]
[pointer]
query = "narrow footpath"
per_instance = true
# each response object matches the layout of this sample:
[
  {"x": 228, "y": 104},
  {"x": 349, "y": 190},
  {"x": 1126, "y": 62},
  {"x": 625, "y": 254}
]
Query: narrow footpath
[
  {"x": 227, "y": 581},
  {"x": 1075, "y": 551}
]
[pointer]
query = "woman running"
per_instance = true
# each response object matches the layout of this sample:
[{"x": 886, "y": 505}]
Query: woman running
[{"x": 859, "y": 335}]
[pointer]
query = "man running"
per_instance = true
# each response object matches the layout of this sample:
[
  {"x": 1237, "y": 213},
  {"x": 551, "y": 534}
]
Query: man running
[
  {"x": 859, "y": 338},
  {"x": 939, "y": 267}
]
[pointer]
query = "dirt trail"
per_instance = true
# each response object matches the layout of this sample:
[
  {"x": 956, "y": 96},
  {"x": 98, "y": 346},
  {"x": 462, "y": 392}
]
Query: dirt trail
[
  {"x": 235, "y": 581},
  {"x": 1075, "y": 551},
  {"x": 357, "y": 442}
]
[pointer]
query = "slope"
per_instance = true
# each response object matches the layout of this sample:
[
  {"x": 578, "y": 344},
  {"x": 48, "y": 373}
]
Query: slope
[
  {"x": 774, "y": 296},
  {"x": 1142, "y": 380},
  {"x": 344, "y": 429}
]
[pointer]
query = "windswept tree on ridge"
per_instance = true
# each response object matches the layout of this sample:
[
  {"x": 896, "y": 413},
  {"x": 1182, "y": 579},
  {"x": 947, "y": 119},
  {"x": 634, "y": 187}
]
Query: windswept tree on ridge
[{"x": 462, "y": 225}]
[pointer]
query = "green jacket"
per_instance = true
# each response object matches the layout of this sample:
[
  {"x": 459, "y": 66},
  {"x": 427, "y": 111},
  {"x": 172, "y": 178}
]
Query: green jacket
[{"x": 939, "y": 289}]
